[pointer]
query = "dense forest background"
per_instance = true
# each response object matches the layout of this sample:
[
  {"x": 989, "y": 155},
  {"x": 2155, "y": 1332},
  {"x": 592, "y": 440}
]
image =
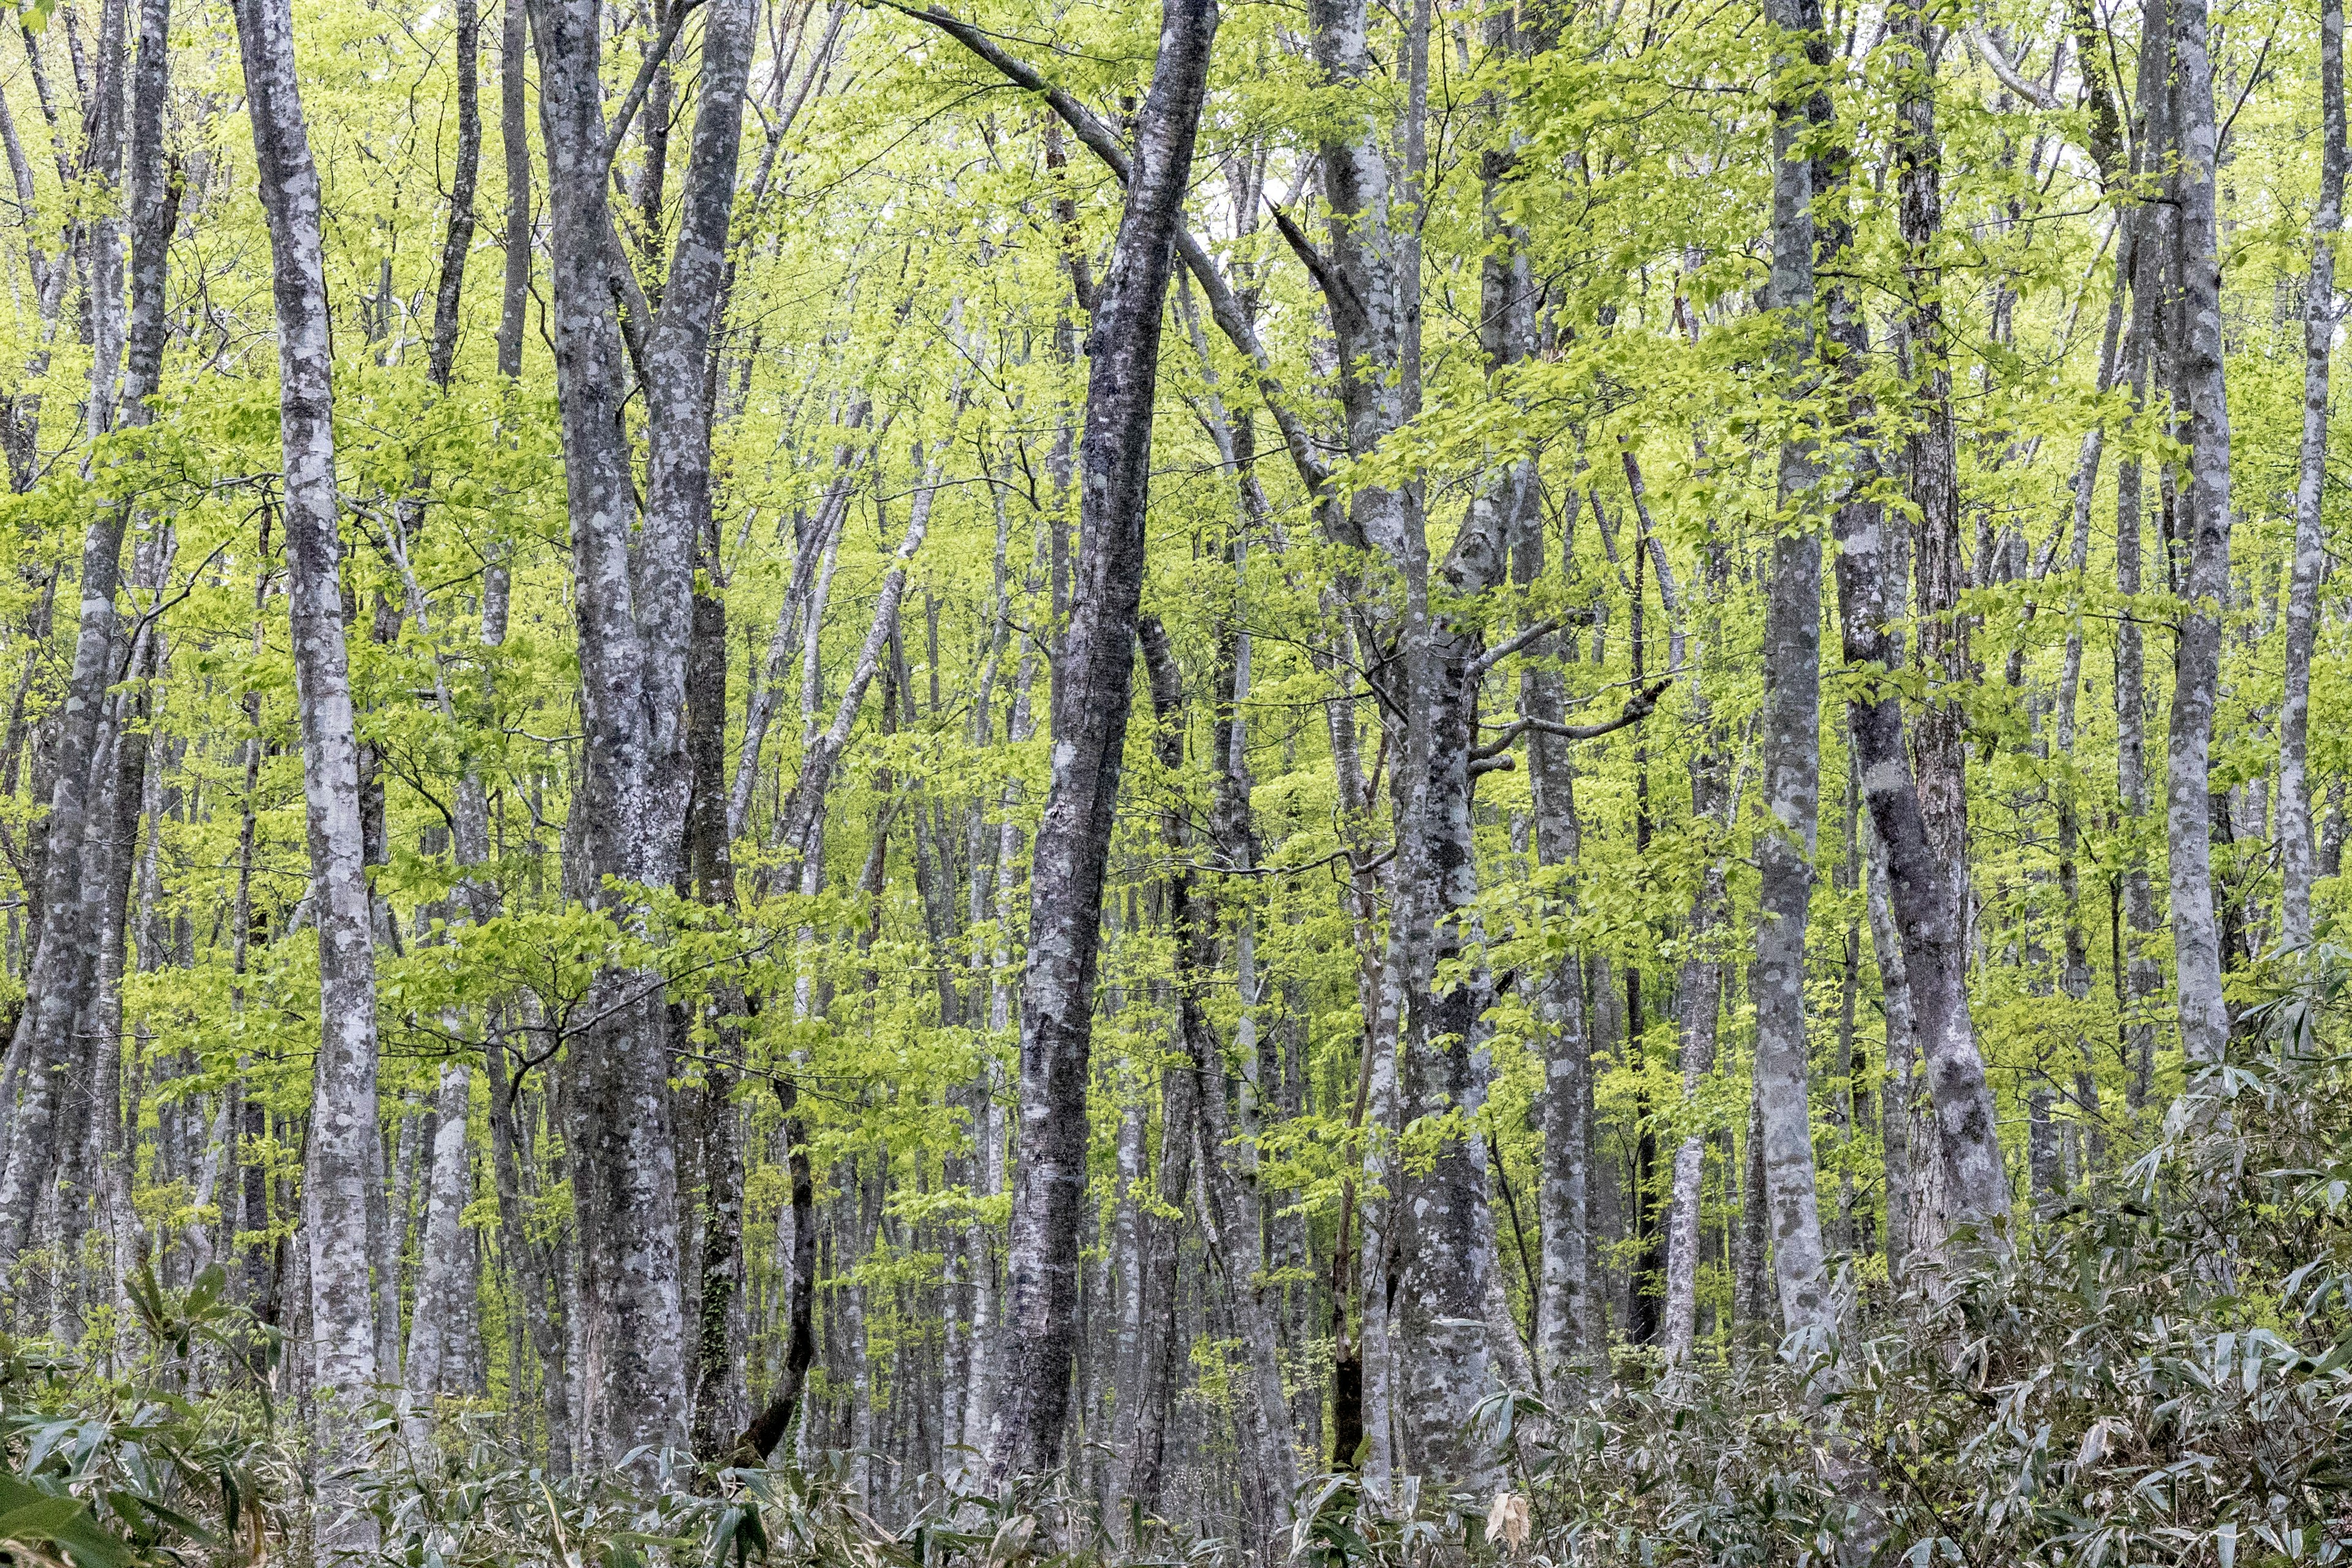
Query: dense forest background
[{"x": 1371, "y": 781}]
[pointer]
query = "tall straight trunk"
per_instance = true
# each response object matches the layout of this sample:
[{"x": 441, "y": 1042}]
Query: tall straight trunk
[
  {"x": 632, "y": 608},
  {"x": 1143, "y": 1437},
  {"x": 514, "y": 144},
  {"x": 538, "y": 1297},
  {"x": 1127, "y": 1267},
  {"x": 126, "y": 362},
  {"x": 2140, "y": 978},
  {"x": 1792, "y": 741},
  {"x": 1754, "y": 1302},
  {"x": 1931, "y": 465},
  {"x": 444, "y": 1275},
  {"x": 458, "y": 238},
  {"x": 1091, "y": 699},
  {"x": 2075, "y": 978},
  {"x": 1925, "y": 878},
  {"x": 341, "y": 1158},
  {"x": 2298, "y": 852},
  {"x": 1699, "y": 996},
  {"x": 1898, "y": 1086},
  {"x": 1360, "y": 1360},
  {"x": 1934, "y": 961},
  {"x": 2205, "y": 588}
]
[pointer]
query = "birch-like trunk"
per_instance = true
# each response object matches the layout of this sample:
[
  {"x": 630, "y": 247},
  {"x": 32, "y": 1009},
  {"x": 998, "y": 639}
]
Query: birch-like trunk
[
  {"x": 444, "y": 1274},
  {"x": 2298, "y": 852},
  {"x": 342, "y": 1154}
]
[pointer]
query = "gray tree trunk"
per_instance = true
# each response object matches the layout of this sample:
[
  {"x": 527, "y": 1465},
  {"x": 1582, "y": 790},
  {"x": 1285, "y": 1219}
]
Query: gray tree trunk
[
  {"x": 1228, "y": 1203},
  {"x": 1091, "y": 699},
  {"x": 2298, "y": 851},
  {"x": 444, "y": 1274},
  {"x": 1898, "y": 1086},
  {"x": 632, "y": 607},
  {"x": 2205, "y": 588},
  {"x": 74, "y": 864},
  {"x": 342, "y": 1156},
  {"x": 1791, "y": 747}
]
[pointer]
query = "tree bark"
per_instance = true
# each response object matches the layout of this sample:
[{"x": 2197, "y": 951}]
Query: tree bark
[
  {"x": 74, "y": 866},
  {"x": 1931, "y": 465},
  {"x": 2298, "y": 851},
  {"x": 632, "y": 608},
  {"x": 775, "y": 1417},
  {"x": 1792, "y": 741},
  {"x": 1091, "y": 699},
  {"x": 343, "y": 1145},
  {"x": 444, "y": 1275},
  {"x": 2205, "y": 588},
  {"x": 1228, "y": 1210},
  {"x": 1898, "y": 1086},
  {"x": 514, "y": 144}
]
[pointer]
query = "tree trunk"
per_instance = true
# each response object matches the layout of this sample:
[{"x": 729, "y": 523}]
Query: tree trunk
[
  {"x": 2205, "y": 589},
  {"x": 74, "y": 866},
  {"x": 1228, "y": 1207},
  {"x": 1791, "y": 746},
  {"x": 444, "y": 1275},
  {"x": 1897, "y": 1088},
  {"x": 1091, "y": 699},
  {"x": 775, "y": 1417},
  {"x": 2298, "y": 852},
  {"x": 343, "y": 1155}
]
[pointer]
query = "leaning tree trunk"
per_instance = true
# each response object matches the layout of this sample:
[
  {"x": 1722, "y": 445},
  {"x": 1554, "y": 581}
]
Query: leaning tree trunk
[
  {"x": 340, "y": 1168},
  {"x": 1091, "y": 699},
  {"x": 2298, "y": 855},
  {"x": 1927, "y": 901}
]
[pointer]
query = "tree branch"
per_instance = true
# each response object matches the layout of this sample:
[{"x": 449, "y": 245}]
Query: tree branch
[{"x": 1638, "y": 707}]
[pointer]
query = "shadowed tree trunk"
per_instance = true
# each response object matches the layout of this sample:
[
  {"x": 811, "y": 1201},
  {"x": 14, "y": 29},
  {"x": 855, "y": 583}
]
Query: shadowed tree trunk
[
  {"x": 74, "y": 865},
  {"x": 1092, "y": 695}
]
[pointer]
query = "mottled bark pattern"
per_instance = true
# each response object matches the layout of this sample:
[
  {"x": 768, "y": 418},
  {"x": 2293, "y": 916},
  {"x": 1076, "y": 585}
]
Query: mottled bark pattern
[
  {"x": 341, "y": 1165},
  {"x": 1091, "y": 697},
  {"x": 2205, "y": 588},
  {"x": 2298, "y": 851}
]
